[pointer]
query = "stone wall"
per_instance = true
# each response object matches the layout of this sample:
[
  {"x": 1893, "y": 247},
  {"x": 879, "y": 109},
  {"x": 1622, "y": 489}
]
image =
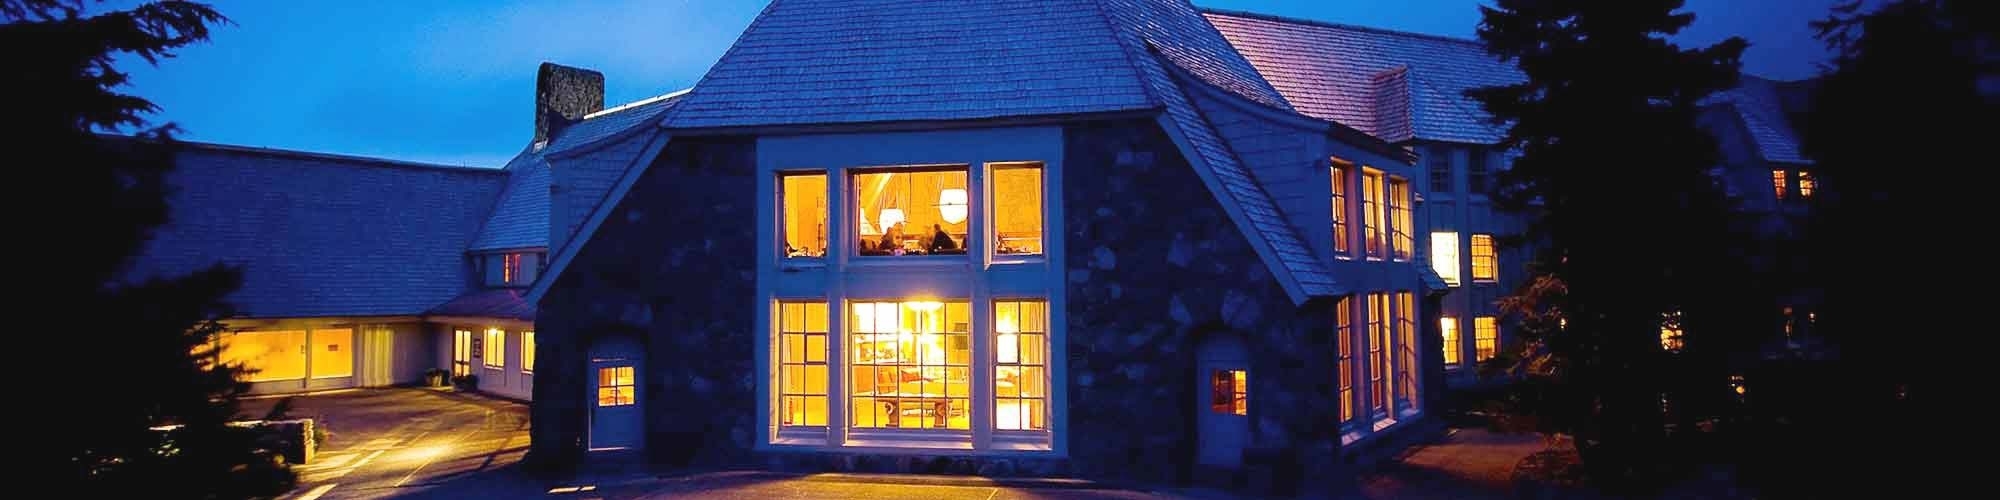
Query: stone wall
[
  {"x": 1154, "y": 265},
  {"x": 662, "y": 269}
]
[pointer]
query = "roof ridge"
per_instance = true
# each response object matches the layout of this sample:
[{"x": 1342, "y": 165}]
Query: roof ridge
[
  {"x": 638, "y": 103},
  {"x": 333, "y": 157},
  {"x": 733, "y": 45},
  {"x": 1330, "y": 24},
  {"x": 1118, "y": 33}
]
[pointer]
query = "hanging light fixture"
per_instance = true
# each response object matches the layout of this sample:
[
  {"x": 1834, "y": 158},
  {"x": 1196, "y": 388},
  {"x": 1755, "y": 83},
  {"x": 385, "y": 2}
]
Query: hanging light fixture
[
  {"x": 890, "y": 218},
  {"x": 952, "y": 204}
]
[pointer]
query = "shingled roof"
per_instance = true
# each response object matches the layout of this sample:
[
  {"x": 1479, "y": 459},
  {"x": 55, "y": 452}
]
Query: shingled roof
[
  {"x": 1394, "y": 85},
  {"x": 322, "y": 235},
  {"x": 860, "y": 61},
  {"x": 853, "y": 61},
  {"x": 521, "y": 219},
  {"x": 1759, "y": 103}
]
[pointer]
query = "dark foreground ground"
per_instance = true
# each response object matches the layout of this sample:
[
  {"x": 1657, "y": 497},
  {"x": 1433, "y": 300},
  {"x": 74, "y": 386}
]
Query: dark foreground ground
[{"x": 423, "y": 443}]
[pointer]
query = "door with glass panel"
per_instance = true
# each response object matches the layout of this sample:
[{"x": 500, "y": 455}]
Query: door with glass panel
[
  {"x": 617, "y": 417},
  {"x": 461, "y": 352},
  {"x": 1222, "y": 395}
]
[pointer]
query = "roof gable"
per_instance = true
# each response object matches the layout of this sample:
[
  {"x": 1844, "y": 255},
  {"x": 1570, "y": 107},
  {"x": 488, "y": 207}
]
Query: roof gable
[
  {"x": 322, "y": 235},
  {"x": 856, "y": 61},
  {"x": 1329, "y": 71}
]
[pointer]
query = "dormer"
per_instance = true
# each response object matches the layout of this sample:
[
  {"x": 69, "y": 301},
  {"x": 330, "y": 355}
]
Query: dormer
[{"x": 509, "y": 269}]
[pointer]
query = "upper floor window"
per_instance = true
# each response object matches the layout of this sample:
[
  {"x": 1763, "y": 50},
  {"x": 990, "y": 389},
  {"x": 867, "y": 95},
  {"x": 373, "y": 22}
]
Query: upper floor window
[
  {"x": 1017, "y": 208},
  {"x": 1340, "y": 184},
  {"x": 1485, "y": 263},
  {"x": 1439, "y": 163},
  {"x": 804, "y": 206},
  {"x": 1373, "y": 240},
  {"x": 912, "y": 211},
  {"x": 512, "y": 269},
  {"x": 1478, "y": 176},
  {"x": 1444, "y": 256},
  {"x": 1399, "y": 219}
]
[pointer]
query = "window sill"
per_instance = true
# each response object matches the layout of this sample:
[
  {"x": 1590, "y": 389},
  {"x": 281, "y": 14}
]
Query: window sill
[
  {"x": 930, "y": 261},
  {"x": 1021, "y": 440},
  {"x": 802, "y": 264},
  {"x": 1016, "y": 260},
  {"x": 1495, "y": 281}
]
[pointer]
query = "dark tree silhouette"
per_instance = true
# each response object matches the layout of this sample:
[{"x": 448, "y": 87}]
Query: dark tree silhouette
[
  {"x": 1630, "y": 224},
  {"x": 140, "y": 408},
  {"x": 1903, "y": 113}
]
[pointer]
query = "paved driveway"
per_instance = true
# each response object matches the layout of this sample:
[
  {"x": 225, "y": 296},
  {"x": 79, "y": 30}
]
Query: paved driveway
[{"x": 401, "y": 442}]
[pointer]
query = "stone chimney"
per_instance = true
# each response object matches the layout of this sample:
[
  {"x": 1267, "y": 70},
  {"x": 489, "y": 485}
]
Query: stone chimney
[{"x": 563, "y": 95}]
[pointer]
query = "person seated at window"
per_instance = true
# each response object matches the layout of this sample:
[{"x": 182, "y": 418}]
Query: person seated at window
[
  {"x": 868, "y": 248},
  {"x": 892, "y": 240},
  {"x": 941, "y": 242}
]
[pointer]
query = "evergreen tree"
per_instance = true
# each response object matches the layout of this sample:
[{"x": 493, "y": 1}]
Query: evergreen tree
[
  {"x": 140, "y": 406},
  {"x": 1630, "y": 223}
]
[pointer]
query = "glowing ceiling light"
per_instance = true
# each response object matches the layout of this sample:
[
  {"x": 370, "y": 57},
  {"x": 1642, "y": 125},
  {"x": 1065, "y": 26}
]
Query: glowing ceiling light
[
  {"x": 890, "y": 218},
  {"x": 952, "y": 204}
]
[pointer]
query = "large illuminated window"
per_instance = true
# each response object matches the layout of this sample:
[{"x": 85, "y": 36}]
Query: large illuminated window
[
  {"x": 1340, "y": 183},
  {"x": 911, "y": 365},
  {"x": 527, "y": 352},
  {"x": 1017, "y": 208},
  {"x": 1373, "y": 240},
  {"x": 802, "y": 367},
  {"x": 332, "y": 353},
  {"x": 1444, "y": 256},
  {"x": 1485, "y": 337},
  {"x": 1020, "y": 365},
  {"x": 269, "y": 355},
  {"x": 1449, "y": 327},
  {"x": 1485, "y": 262},
  {"x": 1778, "y": 183},
  {"x": 804, "y": 206},
  {"x": 1401, "y": 238},
  {"x": 1343, "y": 331},
  {"x": 1806, "y": 185},
  {"x": 1406, "y": 348},
  {"x": 912, "y": 211},
  {"x": 1378, "y": 355},
  {"x": 495, "y": 348}
]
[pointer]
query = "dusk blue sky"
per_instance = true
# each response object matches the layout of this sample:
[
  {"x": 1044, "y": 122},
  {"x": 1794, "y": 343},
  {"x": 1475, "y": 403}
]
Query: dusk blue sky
[{"x": 452, "y": 81}]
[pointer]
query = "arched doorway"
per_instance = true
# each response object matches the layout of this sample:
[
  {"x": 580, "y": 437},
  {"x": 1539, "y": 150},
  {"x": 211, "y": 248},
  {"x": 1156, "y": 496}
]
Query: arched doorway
[
  {"x": 617, "y": 408},
  {"x": 1222, "y": 398}
]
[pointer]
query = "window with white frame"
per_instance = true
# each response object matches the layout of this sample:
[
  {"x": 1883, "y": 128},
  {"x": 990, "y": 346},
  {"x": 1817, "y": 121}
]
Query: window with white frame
[
  {"x": 1444, "y": 256},
  {"x": 1485, "y": 337},
  {"x": 528, "y": 352},
  {"x": 1448, "y": 326},
  {"x": 802, "y": 367},
  {"x": 803, "y": 202},
  {"x": 911, "y": 211},
  {"x": 911, "y": 365},
  {"x": 1340, "y": 186},
  {"x": 1373, "y": 240},
  {"x": 1406, "y": 350},
  {"x": 494, "y": 350},
  {"x": 1402, "y": 239},
  {"x": 1485, "y": 260},
  {"x": 1343, "y": 329},
  {"x": 1017, "y": 207},
  {"x": 1020, "y": 365},
  {"x": 1378, "y": 353}
]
